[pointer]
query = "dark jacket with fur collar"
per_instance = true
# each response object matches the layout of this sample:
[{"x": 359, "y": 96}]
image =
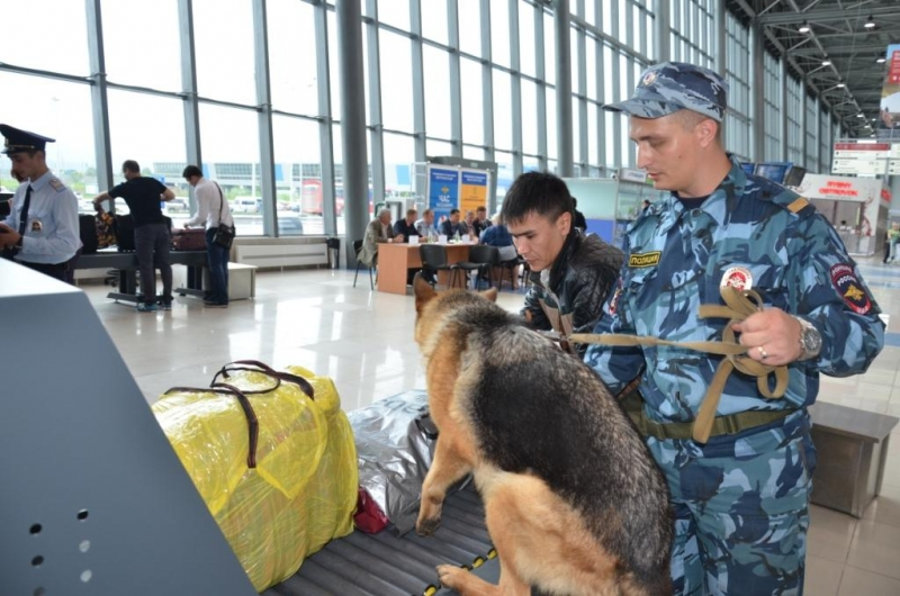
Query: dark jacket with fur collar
[{"x": 580, "y": 279}]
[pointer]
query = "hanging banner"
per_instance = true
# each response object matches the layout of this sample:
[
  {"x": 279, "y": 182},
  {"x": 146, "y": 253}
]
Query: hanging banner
[
  {"x": 443, "y": 192},
  {"x": 473, "y": 193},
  {"x": 890, "y": 96}
]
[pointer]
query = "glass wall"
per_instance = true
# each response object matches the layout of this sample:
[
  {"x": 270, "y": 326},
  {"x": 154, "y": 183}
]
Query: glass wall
[{"x": 469, "y": 78}]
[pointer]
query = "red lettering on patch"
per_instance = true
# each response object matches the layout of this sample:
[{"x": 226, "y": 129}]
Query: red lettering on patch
[{"x": 850, "y": 289}]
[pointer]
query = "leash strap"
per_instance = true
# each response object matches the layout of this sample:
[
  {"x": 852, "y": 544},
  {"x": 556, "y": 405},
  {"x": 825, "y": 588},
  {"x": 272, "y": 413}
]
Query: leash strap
[{"x": 738, "y": 306}]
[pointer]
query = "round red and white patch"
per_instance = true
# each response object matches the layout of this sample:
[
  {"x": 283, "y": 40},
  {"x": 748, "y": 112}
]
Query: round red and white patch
[
  {"x": 850, "y": 288},
  {"x": 738, "y": 278}
]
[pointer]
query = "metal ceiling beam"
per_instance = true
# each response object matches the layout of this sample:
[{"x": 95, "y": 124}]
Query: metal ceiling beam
[
  {"x": 823, "y": 14},
  {"x": 836, "y": 51}
]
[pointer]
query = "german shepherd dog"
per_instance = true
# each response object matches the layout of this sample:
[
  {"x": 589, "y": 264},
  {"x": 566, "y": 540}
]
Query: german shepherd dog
[{"x": 573, "y": 501}]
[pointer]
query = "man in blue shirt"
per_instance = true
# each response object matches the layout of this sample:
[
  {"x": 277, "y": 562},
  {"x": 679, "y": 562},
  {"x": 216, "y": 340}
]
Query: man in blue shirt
[
  {"x": 739, "y": 464},
  {"x": 41, "y": 231}
]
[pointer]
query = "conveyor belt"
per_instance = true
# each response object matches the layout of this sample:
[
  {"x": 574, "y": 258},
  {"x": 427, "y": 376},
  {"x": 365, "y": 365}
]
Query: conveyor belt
[{"x": 384, "y": 564}]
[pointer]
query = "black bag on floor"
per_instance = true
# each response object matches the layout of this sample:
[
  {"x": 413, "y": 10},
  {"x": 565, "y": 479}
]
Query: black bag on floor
[{"x": 87, "y": 228}]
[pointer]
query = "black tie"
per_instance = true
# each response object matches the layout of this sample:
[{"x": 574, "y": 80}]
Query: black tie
[{"x": 23, "y": 216}]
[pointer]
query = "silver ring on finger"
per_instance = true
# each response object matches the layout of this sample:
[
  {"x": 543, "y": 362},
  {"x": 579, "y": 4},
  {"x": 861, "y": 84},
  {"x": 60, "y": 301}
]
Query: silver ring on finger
[{"x": 762, "y": 353}]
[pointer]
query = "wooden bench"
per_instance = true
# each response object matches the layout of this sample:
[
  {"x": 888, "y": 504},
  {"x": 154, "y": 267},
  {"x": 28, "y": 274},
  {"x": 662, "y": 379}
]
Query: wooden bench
[{"x": 852, "y": 446}]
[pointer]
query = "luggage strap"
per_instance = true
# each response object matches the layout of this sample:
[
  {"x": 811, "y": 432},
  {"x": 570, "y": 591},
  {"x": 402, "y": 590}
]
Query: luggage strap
[{"x": 739, "y": 304}]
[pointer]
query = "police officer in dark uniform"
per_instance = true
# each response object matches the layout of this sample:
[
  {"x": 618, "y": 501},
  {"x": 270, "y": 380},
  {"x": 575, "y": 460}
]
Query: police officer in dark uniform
[{"x": 41, "y": 231}]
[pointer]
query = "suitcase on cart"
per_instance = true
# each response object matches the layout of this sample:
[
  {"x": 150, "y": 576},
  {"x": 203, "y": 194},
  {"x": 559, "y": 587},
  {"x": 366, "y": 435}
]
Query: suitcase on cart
[{"x": 191, "y": 239}]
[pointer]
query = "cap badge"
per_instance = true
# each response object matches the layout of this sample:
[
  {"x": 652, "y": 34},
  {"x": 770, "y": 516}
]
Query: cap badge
[
  {"x": 738, "y": 278},
  {"x": 649, "y": 78}
]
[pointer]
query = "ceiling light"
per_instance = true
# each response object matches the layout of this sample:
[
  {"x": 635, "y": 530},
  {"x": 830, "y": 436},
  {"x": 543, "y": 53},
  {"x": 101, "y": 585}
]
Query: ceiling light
[
  {"x": 881, "y": 60},
  {"x": 804, "y": 28},
  {"x": 826, "y": 62},
  {"x": 870, "y": 23},
  {"x": 860, "y": 116},
  {"x": 840, "y": 85}
]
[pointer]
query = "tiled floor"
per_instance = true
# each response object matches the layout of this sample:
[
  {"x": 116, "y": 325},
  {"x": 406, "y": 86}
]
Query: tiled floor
[{"x": 364, "y": 341}]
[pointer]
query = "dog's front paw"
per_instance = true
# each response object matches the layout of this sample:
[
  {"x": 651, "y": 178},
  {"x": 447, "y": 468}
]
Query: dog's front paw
[
  {"x": 427, "y": 526},
  {"x": 451, "y": 576}
]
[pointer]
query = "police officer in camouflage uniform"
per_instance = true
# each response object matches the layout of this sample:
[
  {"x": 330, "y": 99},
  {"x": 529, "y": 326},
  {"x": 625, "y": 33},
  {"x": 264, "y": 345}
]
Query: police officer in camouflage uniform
[{"x": 740, "y": 498}]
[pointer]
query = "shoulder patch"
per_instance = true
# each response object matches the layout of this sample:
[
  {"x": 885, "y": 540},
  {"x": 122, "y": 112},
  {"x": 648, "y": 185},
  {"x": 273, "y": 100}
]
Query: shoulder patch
[
  {"x": 646, "y": 259},
  {"x": 57, "y": 184},
  {"x": 850, "y": 289}
]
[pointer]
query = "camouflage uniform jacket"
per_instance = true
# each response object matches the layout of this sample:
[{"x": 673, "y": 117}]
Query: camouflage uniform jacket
[
  {"x": 675, "y": 260},
  {"x": 580, "y": 280}
]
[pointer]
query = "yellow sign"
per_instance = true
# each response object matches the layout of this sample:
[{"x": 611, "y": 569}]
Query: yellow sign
[{"x": 647, "y": 259}]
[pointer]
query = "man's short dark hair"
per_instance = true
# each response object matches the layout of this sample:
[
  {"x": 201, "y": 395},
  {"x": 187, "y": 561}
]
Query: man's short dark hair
[
  {"x": 191, "y": 170},
  {"x": 453, "y": 211},
  {"x": 536, "y": 192},
  {"x": 129, "y": 165}
]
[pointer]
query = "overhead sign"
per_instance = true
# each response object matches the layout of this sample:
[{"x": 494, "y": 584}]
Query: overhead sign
[
  {"x": 890, "y": 93},
  {"x": 863, "y": 158},
  {"x": 840, "y": 188}
]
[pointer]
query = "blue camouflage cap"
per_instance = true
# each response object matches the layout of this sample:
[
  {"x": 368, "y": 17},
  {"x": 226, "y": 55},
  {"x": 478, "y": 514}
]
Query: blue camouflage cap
[{"x": 671, "y": 86}]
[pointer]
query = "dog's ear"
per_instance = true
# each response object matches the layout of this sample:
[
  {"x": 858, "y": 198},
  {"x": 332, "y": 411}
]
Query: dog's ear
[
  {"x": 423, "y": 291},
  {"x": 490, "y": 294}
]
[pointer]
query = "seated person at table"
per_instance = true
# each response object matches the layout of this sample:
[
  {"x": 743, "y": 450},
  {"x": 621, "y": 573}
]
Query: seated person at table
[
  {"x": 571, "y": 273},
  {"x": 378, "y": 230},
  {"x": 498, "y": 235},
  {"x": 425, "y": 226},
  {"x": 481, "y": 222},
  {"x": 452, "y": 226},
  {"x": 406, "y": 227}
]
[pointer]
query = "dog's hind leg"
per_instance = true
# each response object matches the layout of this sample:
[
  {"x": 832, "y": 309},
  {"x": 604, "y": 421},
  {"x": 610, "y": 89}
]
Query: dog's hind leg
[{"x": 446, "y": 468}]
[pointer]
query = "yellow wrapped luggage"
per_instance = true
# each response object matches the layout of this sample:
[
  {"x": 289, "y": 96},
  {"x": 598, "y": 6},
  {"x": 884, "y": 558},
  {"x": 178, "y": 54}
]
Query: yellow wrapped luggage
[{"x": 273, "y": 456}]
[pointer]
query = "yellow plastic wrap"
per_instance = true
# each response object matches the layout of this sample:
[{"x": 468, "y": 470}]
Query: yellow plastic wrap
[{"x": 303, "y": 490}]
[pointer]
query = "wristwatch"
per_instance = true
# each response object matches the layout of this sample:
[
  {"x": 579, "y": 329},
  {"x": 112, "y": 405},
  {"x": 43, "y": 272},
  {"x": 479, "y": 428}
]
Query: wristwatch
[{"x": 810, "y": 339}]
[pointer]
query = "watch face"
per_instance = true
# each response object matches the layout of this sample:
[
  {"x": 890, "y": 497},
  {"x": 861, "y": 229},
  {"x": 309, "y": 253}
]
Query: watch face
[{"x": 812, "y": 341}]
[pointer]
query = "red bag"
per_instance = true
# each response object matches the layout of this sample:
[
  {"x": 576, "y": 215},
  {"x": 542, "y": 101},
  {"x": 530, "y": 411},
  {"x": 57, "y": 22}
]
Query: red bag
[
  {"x": 190, "y": 239},
  {"x": 369, "y": 517}
]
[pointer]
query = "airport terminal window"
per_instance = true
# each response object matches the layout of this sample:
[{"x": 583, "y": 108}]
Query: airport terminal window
[
  {"x": 54, "y": 40},
  {"x": 550, "y": 98},
  {"x": 593, "y": 136},
  {"x": 148, "y": 55},
  {"x": 334, "y": 66},
  {"x": 298, "y": 176},
  {"x": 394, "y": 13},
  {"x": 399, "y": 155},
  {"x": 150, "y": 130},
  {"x": 530, "y": 120},
  {"x": 434, "y": 20},
  {"x": 230, "y": 141},
  {"x": 292, "y": 57},
  {"x": 472, "y": 102},
  {"x": 44, "y": 106},
  {"x": 437, "y": 92},
  {"x": 503, "y": 116},
  {"x": 396, "y": 81},
  {"x": 500, "y": 33},
  {"x": 526, "y": 39},
  {"x": 550, "y": 50},
  {"x": 225, "y": 50},
  {"x": 434, "y": 147},
  {"x": 469, "y": 20}
]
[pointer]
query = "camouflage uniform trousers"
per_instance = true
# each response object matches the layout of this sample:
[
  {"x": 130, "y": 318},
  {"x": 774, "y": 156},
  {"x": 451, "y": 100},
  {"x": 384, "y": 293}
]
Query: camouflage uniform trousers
[{"x": 741, "y": 507}]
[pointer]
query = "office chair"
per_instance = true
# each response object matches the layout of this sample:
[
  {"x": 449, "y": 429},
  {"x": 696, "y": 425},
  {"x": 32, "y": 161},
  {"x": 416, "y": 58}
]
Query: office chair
[
  {"x": 434, "y": 259},
  {"x": 482, "y": 259}
]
